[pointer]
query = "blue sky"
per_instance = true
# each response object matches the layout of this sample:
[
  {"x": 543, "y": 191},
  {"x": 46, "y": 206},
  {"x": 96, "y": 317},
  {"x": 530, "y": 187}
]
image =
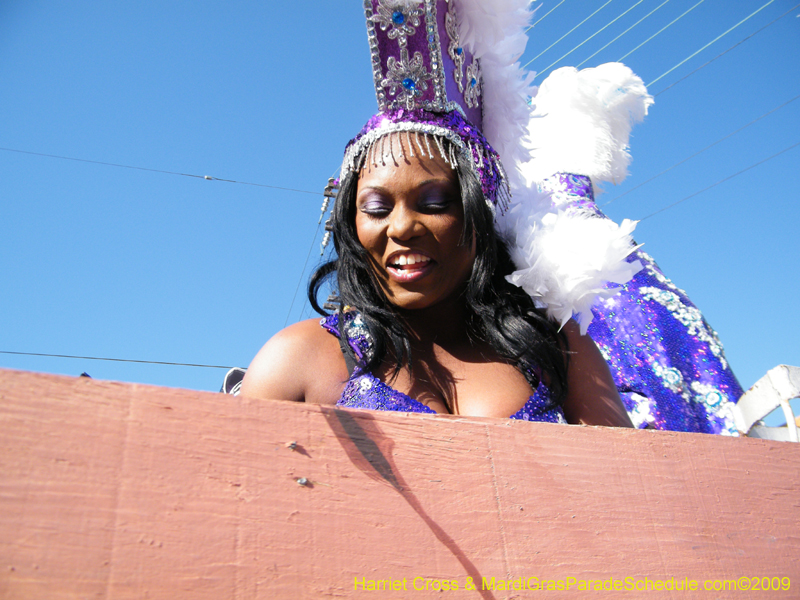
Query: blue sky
[{"x": 105, "y": 261}]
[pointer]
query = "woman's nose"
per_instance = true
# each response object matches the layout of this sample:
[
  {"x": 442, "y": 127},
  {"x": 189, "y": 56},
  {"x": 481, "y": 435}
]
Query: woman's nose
[{"x": 404, "y": 224}]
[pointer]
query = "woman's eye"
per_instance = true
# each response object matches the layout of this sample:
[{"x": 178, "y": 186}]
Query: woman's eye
[
  {"x": 375, "y": 208},
  {"x": 435, "y": 203}
]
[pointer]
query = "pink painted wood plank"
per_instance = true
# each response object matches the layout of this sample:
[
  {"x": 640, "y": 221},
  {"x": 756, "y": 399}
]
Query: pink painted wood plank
[{"x": 111, "y": 490}]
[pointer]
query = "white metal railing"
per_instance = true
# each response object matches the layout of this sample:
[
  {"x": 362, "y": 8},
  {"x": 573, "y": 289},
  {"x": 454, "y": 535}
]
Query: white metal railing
[{"x": 775, "y": 389}]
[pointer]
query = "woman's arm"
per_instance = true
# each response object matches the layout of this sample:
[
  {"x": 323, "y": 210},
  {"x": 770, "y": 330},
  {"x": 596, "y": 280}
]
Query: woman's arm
[
  {"x": 302, "y": 363},
  {"x": 592, "y": 397}
]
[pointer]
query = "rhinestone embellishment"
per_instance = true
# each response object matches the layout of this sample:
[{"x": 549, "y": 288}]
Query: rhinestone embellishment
[
  {"x": 454, "y": 49},
  {"x": 406, "y": 79},
  {"x": 401, "y": 15},
  {"x": 473, "y": 91}
]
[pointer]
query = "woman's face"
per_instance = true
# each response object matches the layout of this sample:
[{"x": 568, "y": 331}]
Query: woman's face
[{"x": 409, "y": 218}]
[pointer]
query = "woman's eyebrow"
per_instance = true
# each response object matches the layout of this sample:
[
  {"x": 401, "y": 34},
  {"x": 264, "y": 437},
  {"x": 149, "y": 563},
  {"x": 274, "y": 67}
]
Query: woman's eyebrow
[
  {"x": 374, "y": 188},
  {"x": 388, "y": 191},
  {"x": 436, "y": 180}
]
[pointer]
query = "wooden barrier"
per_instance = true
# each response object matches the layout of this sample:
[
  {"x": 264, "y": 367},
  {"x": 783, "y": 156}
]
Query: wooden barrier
[{"x": 112, "y": 490}]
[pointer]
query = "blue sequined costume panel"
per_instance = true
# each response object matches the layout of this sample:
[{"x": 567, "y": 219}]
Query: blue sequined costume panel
[
  {"x": 667, "y": 362},
  {"x": 364, "y": 390}
]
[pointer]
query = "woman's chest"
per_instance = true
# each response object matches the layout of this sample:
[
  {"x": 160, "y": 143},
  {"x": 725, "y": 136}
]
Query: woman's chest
[{"x": 465, "y": 387}]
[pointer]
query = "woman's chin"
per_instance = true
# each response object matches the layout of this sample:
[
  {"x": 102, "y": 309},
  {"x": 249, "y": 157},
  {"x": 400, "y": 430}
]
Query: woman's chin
[
  {"x": 412, "y": 301},
  {"x": 409, "y": 299}
]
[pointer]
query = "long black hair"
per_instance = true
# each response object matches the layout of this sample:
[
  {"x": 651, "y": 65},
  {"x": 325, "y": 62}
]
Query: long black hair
[{"x": 500, "y": 313}]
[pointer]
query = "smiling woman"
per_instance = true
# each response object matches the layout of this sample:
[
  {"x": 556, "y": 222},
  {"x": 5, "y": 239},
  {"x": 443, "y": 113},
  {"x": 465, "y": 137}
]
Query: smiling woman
[
  {"x": 429, "y": 320},
  {"x": 430, "y": 323},
  {"x": 410, "y": 220}
]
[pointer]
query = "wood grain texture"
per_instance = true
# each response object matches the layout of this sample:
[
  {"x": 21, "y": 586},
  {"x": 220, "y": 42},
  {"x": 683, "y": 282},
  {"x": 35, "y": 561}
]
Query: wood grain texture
[{"x": 111, "y": 490}]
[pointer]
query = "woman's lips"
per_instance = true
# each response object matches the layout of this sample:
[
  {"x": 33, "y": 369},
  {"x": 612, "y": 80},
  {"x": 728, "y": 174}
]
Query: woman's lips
[
  {"x": 408, "y": 266},
  {"x": 408, "y": 274}
]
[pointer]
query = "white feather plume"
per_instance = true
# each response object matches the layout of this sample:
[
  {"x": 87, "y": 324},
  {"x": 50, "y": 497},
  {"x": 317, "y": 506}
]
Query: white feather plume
[
  {"x": 582, "y": 122},
  {"x": 495, "y": 32},
  {"x": 567, "y": 260}
]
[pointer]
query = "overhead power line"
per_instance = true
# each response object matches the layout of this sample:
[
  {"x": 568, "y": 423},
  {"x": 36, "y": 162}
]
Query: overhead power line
[
  {"x": 729, "y": 177},
  {"x": 206, "y": 177},
  {"x": 329, "y": 193},
  {"x": 125, "y": 360},
  {"x": 590, "y": 37},
  {"x": 542, "y": 19},
  {"x": 711, "y": 42},
  {"x": 660, "y": 31},
  {"x": 303, "y": 270},
  {"x": 566, "y": 34},
  {"x": 180, "y": 364},
  {"x": 677, "y": 164},
  {"x": 728, "y": 50},
  {"x": 623, "y": 33}
]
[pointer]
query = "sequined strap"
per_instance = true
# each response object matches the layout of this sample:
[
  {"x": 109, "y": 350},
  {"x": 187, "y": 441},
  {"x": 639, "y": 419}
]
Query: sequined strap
[{"x": 356, "y": 332}]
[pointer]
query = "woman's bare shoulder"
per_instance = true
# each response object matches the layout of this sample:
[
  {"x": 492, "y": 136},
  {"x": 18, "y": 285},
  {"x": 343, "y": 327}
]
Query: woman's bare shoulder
[
  {"x": 592, "y": 396},
  {"x": 301, "y": 363}
]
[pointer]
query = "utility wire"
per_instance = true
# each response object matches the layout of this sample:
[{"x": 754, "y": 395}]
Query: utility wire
[
  {"x": 677, "y": 164},
  {"x": 660, "y": 31},
  {"x": 566, "y": 34},
  {"x": 305, "y": 313},
  {"x": 542, "y": 19},
  {"x": 127, "y": 360},
  {"x": 728, "y": 50},
  {"x": 623, "y": 33},
  {"x": 308, "y": 257},
  {"x": 711, "y": 42},
  {"x": 589, "y": 38},
  {"x": 206, "y": 177},
  {"x": 302, "y": 271},
  {"x": 154, "y": 362},
  {"x": 729, "y": 177}
]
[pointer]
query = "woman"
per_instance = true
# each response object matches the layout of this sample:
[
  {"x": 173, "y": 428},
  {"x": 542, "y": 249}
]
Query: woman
[{"x": 431, "y": 323}]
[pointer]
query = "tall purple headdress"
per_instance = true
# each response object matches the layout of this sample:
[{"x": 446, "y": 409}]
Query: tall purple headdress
[
  {"x": 428, "y": 85},
  {"x": 447, "y": 79}
]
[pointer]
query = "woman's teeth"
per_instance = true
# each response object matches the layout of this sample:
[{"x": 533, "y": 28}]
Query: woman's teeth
[{"x": 410, "y": 259}]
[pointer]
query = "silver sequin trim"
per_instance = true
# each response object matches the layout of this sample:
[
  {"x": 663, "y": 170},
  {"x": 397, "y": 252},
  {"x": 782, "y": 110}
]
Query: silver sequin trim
[
  {"x": 451, "y": 26},
  {"x": 689, "y": 316}
]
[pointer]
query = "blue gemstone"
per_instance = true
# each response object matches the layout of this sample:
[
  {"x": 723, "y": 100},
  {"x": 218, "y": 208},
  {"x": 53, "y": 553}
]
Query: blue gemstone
[
  {"x": 473, "y": 83},
  {"x": 398, "y": 17},
  {"x": 459, "y": 51},
  {"x": 409, "y": 84}
]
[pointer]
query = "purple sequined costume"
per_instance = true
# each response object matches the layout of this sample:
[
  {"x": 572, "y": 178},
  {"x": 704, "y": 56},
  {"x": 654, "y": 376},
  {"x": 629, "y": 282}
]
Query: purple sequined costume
[
  {"x": 666, "y": 361},
  {"x": 364, "y": 390}
]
